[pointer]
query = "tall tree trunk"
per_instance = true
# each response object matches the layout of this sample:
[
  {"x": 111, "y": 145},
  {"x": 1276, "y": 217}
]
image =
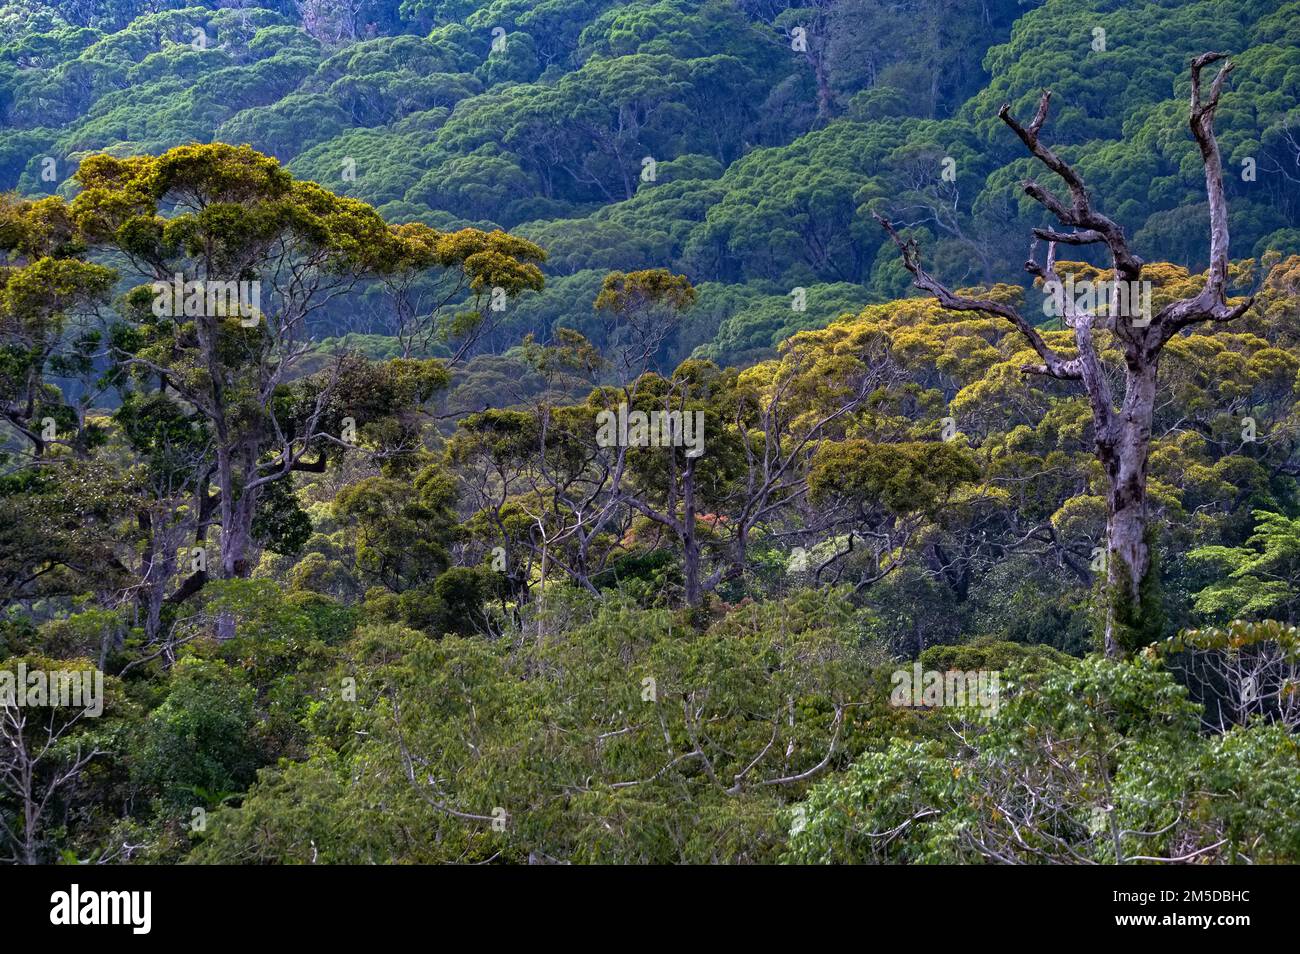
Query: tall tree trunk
[
  {"x": 161, "y": 564},
  {"x": 690, "y": 539},
  {"x": 1128, "y": 557},
  {"x": 817, "y": 58}
]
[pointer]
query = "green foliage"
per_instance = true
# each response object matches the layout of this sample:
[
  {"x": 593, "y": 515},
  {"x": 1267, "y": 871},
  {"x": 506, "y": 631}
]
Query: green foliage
[
  {"x": 1260, "y": 578},
  {"x": 199, "y": 741},
  {"x": 367, "y": 582},
  {"x": 1097, "y": 761},
  {"x": 902, "y": 477},
  {"x": 992, "y": 655},
  {"x": 588, "y": 759}
]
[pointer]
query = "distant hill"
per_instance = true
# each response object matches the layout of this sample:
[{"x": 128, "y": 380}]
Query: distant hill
[{"x": 741, "y": 143}]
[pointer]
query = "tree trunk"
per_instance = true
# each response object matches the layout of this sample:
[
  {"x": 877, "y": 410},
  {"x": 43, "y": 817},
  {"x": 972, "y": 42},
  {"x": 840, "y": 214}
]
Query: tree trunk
[
  {"x": 157, "y": 574},
  {"x": 820, "y": 74},
  {"x": 1128, "y": 557},
  {"x": 690, "y": 540}
]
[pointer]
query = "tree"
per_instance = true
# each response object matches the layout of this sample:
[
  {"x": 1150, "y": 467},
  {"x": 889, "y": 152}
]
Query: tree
[
  {"x": 642, "y": 312},
  {"x": 1241, "y": 673},
  {"x": 333, "y": 22},
  {"x": 46, "y": 292},
  {"x": 290, "y": 248},
  {"x": 883, "y": 494},
  {"x": 1122, "y": 433},
  {"x": 45, "y": 747},
  {"x": 402, "y": 530}
]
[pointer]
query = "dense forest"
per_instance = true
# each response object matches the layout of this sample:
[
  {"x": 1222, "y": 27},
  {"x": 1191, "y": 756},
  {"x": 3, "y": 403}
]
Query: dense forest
[{"x": 668, "y": 431}]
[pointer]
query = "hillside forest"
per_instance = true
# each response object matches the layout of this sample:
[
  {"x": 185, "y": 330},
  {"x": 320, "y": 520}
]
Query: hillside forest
[{"x": 651, "y": 432}]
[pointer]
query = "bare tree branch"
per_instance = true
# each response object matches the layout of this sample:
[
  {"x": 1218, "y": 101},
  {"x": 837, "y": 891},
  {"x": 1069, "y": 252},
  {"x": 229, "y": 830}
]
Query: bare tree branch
[{"x": 1053, "y": 364}]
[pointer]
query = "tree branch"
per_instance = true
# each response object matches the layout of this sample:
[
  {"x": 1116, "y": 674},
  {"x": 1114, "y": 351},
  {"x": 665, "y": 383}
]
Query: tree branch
[
  {"x": 1053, "y": 364},
  {"x": 1212, "y": 303},
  {"x": 1080, "y": 214}
]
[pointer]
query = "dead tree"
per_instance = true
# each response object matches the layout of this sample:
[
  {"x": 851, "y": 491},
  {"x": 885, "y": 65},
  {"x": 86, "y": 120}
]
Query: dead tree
[{"x": 1122, "y": 432}]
